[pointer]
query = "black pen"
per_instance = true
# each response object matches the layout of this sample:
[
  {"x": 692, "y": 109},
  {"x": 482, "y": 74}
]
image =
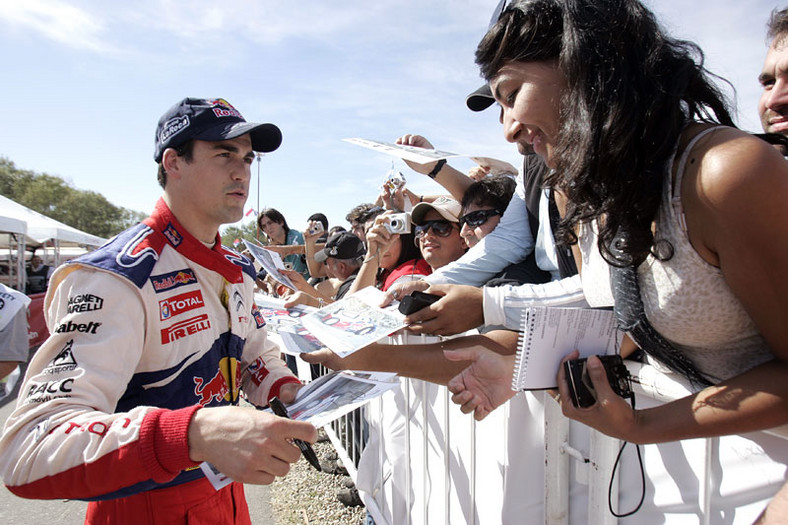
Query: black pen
[{"x": 306, "y": 449}]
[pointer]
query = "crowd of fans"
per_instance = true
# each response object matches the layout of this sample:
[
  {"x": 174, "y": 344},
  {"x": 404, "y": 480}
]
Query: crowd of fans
[{"x": 637, "y": 193}]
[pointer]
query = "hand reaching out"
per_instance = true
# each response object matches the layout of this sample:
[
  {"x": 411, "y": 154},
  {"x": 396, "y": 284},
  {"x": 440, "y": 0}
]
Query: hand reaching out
[{"x": 485, "y": 384}]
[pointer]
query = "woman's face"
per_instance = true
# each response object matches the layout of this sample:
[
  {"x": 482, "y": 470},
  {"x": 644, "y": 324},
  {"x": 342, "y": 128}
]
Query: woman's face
[
  {"x": 529, "y": 94},
  {"x": 389, "y": 259}
]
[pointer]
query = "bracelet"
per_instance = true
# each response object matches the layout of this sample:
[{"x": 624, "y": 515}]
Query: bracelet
[
  {"x": 376, "y": 256},
  {"x": 439, "y": 166},
  {"x": 321, "y": 303}
]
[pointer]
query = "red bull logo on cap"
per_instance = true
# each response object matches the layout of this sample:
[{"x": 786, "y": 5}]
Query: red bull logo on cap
[
  {"x": 227, "y": 110},
  {"x": 223, "y": 386}
]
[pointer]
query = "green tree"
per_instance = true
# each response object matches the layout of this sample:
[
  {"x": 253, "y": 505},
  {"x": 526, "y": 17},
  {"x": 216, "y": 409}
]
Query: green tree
[
  {"x": 54, "y": 197},
  {"x": 247, "y": 231}
]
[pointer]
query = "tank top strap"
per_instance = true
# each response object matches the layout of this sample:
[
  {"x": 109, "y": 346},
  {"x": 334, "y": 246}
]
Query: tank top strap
[{"x": 674, "y": 185}]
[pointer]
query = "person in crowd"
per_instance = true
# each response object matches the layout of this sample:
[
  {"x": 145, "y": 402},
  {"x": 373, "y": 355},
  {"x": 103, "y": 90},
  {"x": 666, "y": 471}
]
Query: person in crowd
[
  {"x": 38, "y": 275},
  {"x": 392, "y": 258},
  {"x": 14, "y": 346},
  {"x": 483, "y": 205},
  {"x": 274, "y": 225},
  {"x": 343, "y": 255},
  {"x": 773, "y": 104},
  {"x": 713, "y": 209},
  {"x": 153, "y": 337},
  {"x": 316, "y": 233},
  {"x": 358, "y": 217},
  {"x": 437, "y": 229}
]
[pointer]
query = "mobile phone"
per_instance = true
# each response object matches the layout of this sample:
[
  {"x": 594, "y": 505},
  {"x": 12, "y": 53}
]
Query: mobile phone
[
  {"x": 416, "y": 301},
  {"x": 581, "y": 389}
]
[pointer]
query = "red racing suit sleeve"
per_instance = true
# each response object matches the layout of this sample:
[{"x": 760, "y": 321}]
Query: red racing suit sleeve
[{"x": 64, "y": 440}]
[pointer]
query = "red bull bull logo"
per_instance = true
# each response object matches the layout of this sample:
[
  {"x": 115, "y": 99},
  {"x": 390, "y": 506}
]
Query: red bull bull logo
[{"x": 221, "y": 387}]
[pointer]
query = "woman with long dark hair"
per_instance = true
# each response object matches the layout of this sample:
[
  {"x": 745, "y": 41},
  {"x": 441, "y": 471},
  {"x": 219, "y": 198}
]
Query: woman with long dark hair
[{"x": 657, "y": 181}]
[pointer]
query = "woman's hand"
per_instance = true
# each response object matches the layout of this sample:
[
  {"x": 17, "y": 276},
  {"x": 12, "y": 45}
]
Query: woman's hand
[
  {"x": 611, "y": 414},
  {"x": 379, "y": 239}
]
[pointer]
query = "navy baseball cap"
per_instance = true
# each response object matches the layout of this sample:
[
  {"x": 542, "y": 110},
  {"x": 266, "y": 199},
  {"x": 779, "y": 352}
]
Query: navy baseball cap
[{"x": 211, "y": 120}]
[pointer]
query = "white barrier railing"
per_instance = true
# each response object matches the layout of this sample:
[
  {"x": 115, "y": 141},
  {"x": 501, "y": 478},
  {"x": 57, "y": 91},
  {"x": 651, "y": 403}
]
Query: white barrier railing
[{"x": 424, "y": 462}]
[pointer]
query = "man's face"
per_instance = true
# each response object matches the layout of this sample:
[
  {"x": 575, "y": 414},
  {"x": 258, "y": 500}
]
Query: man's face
[
  {"x": 212, "y": 188},
  {"x": 473, "y": 234},
  {"x": 274, "y": 230},
  {"x": 35, "y": 261},
  {"x": 439, "y": 251},
  {"x": 773, "y": 105}
]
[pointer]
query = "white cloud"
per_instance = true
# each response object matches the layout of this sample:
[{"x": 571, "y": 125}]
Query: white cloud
[{"x": 60, "y": 22}]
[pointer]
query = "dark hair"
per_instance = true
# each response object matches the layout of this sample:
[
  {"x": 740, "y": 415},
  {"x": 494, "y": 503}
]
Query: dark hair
[
  {"x": 335, "y": 229},
  {"x": 185, "y": 150},
  {"x": 777, "y": 25},
  {"x": 273, "y": 215},
  {"x": 322, "y": 219},
  {"x": 630, "y": 91},
  {"x": 357, "y": 212},
  {"x": 495, "y": 192}
]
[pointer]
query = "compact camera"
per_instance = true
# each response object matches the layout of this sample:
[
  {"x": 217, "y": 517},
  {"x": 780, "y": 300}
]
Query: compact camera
[
  {"x": 315, "y": 227},
  {"x": 581, "y": 389},
  {"x": 398, "y": 223},
  {"x": 394, "y": 181},
  {"x": 416, "y": 301}
]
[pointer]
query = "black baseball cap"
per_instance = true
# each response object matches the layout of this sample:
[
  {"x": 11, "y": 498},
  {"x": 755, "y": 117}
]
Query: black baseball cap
[
  {"x": 480, "y": 99},
  {"x": 212, "y": 120},
  {"x": 341, "y": 245}
]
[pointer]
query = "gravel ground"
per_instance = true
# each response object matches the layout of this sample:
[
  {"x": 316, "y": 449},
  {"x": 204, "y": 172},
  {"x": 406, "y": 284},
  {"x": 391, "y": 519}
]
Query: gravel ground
[{"x": 308, "y": 497}]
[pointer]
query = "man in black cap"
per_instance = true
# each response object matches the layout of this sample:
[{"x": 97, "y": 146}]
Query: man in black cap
[
  {"x": 128, "y": 403},
  {"x": 343, "y": 255}
]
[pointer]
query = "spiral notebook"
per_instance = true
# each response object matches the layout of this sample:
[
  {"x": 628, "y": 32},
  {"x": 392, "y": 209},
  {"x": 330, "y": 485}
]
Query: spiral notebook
[{"x": 550, "y": 333}]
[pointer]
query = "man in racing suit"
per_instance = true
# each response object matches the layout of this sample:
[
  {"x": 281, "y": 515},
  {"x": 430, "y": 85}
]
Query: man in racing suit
[{"x": 152, "y": 336}]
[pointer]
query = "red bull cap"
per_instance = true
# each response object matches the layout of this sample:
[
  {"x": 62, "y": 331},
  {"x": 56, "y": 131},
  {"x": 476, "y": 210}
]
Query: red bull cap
[{"x": 211, "y": 120}]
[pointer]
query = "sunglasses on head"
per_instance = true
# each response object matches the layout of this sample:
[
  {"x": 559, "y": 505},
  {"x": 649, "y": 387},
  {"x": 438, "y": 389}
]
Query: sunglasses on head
[
  {"x": 478, "y": 217},
  {"x": 441, "y": 228}
]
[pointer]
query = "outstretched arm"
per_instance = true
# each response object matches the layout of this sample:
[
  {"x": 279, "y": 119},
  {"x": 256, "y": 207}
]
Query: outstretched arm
[{"x": 419, "y": 361}]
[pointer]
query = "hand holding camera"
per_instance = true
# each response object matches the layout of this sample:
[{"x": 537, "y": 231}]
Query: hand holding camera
[
  {"x": 398, "y": 223},
  {"x": 581, "y": 388}
]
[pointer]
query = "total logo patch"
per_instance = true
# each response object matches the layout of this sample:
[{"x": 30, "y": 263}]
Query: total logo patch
[
  {"x": 85, "y": 303},
  {"x": 185, "y": 328},
  {"x": 168, "y": 281},
  {"x": 179, "y": 304}
]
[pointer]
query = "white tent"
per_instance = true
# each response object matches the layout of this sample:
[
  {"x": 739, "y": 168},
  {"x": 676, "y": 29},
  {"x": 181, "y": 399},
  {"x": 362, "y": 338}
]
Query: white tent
[
  {"x": 13, "y": 239},
  {"x": 43, "y": 229}
]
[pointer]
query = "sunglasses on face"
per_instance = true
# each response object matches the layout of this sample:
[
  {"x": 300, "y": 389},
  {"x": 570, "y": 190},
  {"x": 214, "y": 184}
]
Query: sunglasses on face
[
  {"x": 478, "y": 217},
  {"x": 439, "y": 228}
]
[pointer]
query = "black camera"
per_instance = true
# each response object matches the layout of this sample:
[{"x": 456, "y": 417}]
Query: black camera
[
  {"x": 581, "y": 388},
  {"x": 416, "y": 301}
]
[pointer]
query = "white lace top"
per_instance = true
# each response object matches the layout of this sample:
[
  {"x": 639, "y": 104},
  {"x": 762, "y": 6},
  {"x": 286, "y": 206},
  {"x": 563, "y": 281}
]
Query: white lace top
[{"x": 685, "y": 298}]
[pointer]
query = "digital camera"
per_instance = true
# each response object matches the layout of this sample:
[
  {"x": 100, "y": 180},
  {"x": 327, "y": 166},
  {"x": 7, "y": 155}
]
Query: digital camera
[
  {"x": 394, "y": 181},
  {"x": 316, "y": 227},
  {"x": 581, "y": 389},
  {"x": 398, "y": 223}
]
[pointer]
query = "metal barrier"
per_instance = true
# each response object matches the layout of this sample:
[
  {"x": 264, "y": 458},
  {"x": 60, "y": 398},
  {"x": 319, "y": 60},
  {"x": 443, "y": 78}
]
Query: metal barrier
[{"x": 423, "y": 461}]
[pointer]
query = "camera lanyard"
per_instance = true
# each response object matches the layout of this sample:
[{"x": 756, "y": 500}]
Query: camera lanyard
[{"x": 613, "y": 475}]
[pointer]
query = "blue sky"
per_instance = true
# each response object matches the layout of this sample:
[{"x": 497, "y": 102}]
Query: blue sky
[{"x": 85, "y": 82}]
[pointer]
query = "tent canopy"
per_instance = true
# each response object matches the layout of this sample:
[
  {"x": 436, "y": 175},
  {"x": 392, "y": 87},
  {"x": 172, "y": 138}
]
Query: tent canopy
[{"x": 43, "y": 229}]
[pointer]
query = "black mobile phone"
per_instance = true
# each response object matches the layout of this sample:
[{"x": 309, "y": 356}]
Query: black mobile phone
[
  {"x": 416, "y": 301},
  {"x": 581, "y": 389}
]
